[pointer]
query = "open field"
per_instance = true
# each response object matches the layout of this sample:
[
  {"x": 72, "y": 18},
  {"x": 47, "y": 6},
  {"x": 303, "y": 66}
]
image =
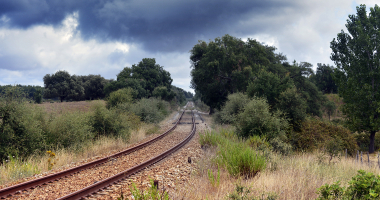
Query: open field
[{"x": 60, "y": 107}]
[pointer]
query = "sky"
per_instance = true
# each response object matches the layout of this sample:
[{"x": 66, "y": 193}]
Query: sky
[{"x": 39, "y": 37}]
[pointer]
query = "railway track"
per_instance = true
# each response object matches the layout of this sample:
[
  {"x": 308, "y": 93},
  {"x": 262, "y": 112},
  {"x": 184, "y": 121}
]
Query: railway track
[{"x": 104, "y": 172}]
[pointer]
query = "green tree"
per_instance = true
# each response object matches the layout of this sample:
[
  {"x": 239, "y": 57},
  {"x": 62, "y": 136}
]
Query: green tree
[
  {"x": 38, "y": 96},
  {"x": 330, "y": 108},
  {"x": 293, "y": 105},
  {"x": 120, "y": 96},
  {"x": 148, "y": 71},
  {"x": 357, "y": 57},
  {"x": 323, "y": 79},
  {"x": 226, "y": 65},
  {"x": 93, "y": 86},
  {"x": 62, "y": 85}
]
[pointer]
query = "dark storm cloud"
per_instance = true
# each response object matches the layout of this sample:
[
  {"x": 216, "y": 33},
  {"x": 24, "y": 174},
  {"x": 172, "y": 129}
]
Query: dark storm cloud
[{"x": 165, "y": 25}]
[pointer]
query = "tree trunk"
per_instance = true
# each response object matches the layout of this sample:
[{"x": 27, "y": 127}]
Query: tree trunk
[
  {"x": 372, "y": 142},
  {"x": 61, "y": 99},
  {"x": 211, "y": 111}
]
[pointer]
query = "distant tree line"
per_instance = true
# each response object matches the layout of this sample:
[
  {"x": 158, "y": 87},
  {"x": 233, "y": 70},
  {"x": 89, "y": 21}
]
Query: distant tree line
[{"x": 147, "y": 79}]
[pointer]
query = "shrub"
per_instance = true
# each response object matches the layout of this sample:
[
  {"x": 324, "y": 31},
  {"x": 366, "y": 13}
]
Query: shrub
[
  {"x": 112, "y": 122},
  {"x": 20, "y": 125},
  {"x": 256, "y": 119},
  {"x": 278, "y": 145},
  {"x": 362, "y": 186},
  {"x": 234, "y": 105},
  {"x": 233, "y": 154},
  {"x": 240, "y": 159},
  {"x": 120, "y": 96},
  {"x": 69, "y": 129},
  {"x": 315, "y": 134},
  {"x": 150, "y": 110}
]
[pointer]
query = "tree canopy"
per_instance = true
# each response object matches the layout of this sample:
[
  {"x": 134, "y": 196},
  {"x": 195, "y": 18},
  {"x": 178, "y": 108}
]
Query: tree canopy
[
  {"x": 62, "y": 85},
  {"x": 228, "y": 65},
  {"x": 356, "y": 55},
  {"x": 323, "y": 79}
]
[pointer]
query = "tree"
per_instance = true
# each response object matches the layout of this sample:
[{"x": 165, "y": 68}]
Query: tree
[
  {"x": 93, "y": 86},
  {"x": 323, "y": 79},
  {"x": 225, "y": 66},
  {"x": 38, "y": 95},
  {"x": 62, "y": 85},
  {"x": 330, "y": 108},
  {"x": 356, "y": 55},
  {"x": 148, "y": 71}
]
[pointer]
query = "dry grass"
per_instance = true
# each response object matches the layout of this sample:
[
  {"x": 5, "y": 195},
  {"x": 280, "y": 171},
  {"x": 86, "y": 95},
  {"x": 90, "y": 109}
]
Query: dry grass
[
  {"x": 58, "y": 107},
  {"x": 292, "y": 177}
]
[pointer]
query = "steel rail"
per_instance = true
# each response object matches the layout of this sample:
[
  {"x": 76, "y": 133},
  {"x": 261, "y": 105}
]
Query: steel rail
[
  {"x": 122, "y": 175},
  {"x": 9, "y": 191}
]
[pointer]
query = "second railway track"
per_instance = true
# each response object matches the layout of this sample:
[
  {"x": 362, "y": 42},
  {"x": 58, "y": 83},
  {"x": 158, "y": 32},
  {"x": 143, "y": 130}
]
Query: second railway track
[{"x": 74, "y": 182}]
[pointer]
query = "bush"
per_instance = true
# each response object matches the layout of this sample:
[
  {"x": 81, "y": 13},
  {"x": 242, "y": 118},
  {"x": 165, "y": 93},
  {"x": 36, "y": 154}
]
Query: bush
[
  {"x": 69, "y": 129},
  {"x": 315, "y": 134},
  {"x": 362, "y": 186},
  {"x": 20, "y": 125},
  {"x": 150, "y": 110},
  {"x": 120, "y": 96},
  {"x": 112, "y": 122},
  {"x": 234, "y": 105},
  {"x": 256, "y": 119}
]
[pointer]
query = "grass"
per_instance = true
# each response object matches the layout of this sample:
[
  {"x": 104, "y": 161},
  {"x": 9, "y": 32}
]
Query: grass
[
  {"x": 289, "y": 177},
  {"x": 61, "y": 107},
  {"x": 296, "y": 176}
]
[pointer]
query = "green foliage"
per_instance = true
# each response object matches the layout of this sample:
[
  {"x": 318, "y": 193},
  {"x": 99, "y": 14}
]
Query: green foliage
[
  {"x": 358, "y": 70},
  {"x": 214, "y": 181},
  {"x": 38, "y": 96},
  {"x": 111, "y": 122},
  {"x": 19, "y": 168},
  {"x": 69, "y": 129},
  {"x": 280, "y": 146},
  {"x": 323, "y": 79},
  {"x": 93, "y": 86},
  {"x": 363, "y": 140},
  {"x": 330, "y": 108},
  {"x": 269, "y": 86},
  {"x": 20, "y": 125},
  {"x": 234, "y": 105},
  {"x": 163, "y": 93},
  {"x": 226, "y": 65},
  {"x": 243, "y": 193},
  {"x": 362, "y": 186},
  {"x": 314, "y": 134},
  {"x": 28, "y": 90},
  {"x": 151, "y": 194},
  {"x": 62, "y": 85},
  {"x": 256, "y": 119},
  {"x": 150, "y": 110},
  {"x": 120, "y": 96},
  {"x": 293, "y": 105},
  {"x": 333, "y": 191},
  {"x": 234, "y": 155}
]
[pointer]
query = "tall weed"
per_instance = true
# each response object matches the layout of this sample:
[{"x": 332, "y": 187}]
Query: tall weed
[{"x": 233, "y": 154}]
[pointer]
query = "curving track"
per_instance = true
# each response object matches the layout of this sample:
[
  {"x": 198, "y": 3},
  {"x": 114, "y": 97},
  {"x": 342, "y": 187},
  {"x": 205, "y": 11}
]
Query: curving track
[{"x": 100, "y": 173}]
